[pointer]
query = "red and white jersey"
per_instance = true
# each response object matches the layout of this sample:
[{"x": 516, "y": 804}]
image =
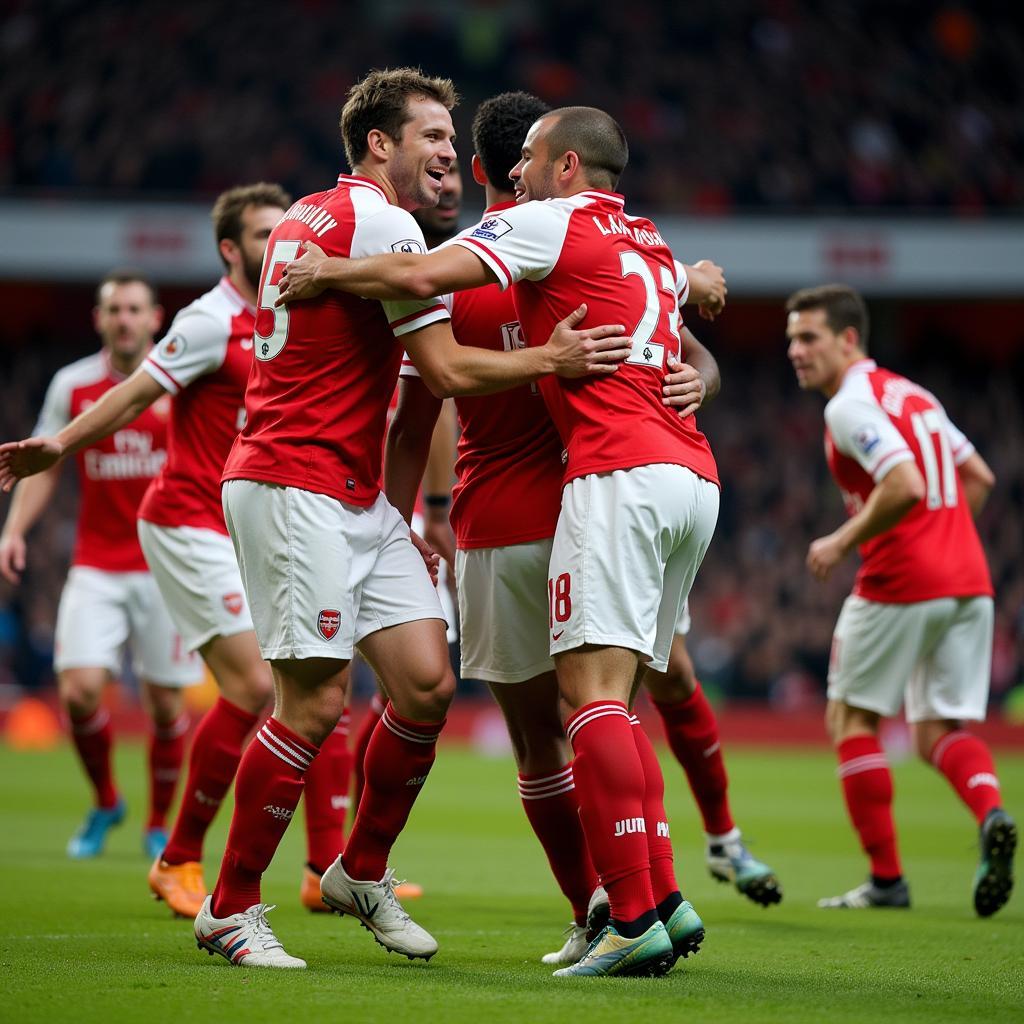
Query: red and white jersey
[
  {"x": 509, "y": 468},
  {"x": 325, "y": 369},
  {"x": 876, "y": 420},
  {"x": 204, "y": 362},
  {"x": 114, "y": 472},
  {"x": 585, "y": 248}
]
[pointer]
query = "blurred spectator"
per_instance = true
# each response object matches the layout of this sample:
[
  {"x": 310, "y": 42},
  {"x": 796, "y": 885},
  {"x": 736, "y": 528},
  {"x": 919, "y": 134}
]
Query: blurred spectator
[{"x": 729, "y": 104}]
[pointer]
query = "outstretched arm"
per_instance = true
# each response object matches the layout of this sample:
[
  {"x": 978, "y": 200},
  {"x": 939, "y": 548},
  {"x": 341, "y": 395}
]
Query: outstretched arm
[
  {"x": 30, "y": 498},
  {"x": 394, "y": 275},
  {"x": 118, "y": 406}
]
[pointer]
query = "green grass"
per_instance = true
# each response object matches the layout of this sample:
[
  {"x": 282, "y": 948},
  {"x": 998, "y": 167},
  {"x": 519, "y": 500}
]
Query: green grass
[{"x": 83, "y": 942}]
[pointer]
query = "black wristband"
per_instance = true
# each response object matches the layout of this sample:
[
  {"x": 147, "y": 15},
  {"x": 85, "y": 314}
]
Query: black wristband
[{"x": 437, "y": 500}]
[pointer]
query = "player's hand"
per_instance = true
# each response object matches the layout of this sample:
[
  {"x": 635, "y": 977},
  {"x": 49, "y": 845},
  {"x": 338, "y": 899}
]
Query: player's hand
[
  {"x": 579, "y": 353},
  {"x": 714, "y": 303},
  {"x": 438, "y": 535},
  {"x": 12, "y": 557},
  {"x": 685, "y": 388},
  {"x": 824, "y": 555},
  {"x": 298, "y": 278},
  {"x": 430, "y": 557},
  {"x": 26, "y": 458}
]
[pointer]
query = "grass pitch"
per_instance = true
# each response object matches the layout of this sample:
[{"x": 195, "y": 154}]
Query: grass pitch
[{"x": 83, "y": 941}]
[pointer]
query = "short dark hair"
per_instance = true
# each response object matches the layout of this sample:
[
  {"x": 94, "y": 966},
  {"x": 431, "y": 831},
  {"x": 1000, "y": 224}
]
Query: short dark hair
[
  {"x": 380, "y": 101},
  {"x": 230, "y": 205},
  {"x": 127, "y": 275},
  {"x": 499, "y": 128},
  {"x": 843, "y": 307},
  {"x": 595, "y": 137}
]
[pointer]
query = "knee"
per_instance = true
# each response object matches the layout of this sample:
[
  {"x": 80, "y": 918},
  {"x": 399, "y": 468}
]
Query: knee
[
  {"x": 539, "y": 746},
  {"x": 166, "y": 703},
  {"x": 251, "y": 686},
  {"x": 677, "y": 684},
  {"x": 79, "y": 694},
  {"x": 426, "y": 695}
]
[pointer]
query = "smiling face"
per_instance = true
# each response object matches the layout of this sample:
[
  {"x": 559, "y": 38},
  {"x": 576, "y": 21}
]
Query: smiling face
[
  {"x": 819, "y": 356},
  {"x": 442, "y": 221},
  {"x": 534, "y": 176},
  {"x": 418, "y": 161}
]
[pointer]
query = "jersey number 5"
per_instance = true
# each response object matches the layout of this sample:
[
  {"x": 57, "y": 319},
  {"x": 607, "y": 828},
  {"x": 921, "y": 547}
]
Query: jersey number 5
[
  {"x": 644, "y": 352},
  {"x": 269, "y": 345},
  {"x": 940, "y": 480}
]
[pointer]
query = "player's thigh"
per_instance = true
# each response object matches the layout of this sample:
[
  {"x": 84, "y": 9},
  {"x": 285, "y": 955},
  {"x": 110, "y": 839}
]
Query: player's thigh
[
  {"x": 92, "y": 621},
  {"x": 694, "y": 501},
  {"x": 679, "y": 681},
  {"x": 197, "y": 574},
  {"x": 303, "y": 558},
  {"x": 159, "y": 654},
  {"x": 875, "y": 649},
  {"x": 503, "y": 611},
  {"x": 952, "y": 681}
]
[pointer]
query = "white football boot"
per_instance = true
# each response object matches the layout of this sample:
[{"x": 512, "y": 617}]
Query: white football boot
[
  {"x": 376, "y": 907},
  {"x": 244, "y": 940},
  {"x": 575, "y": 946}
]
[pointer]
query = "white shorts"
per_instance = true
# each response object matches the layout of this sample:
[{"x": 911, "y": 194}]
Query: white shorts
[
  {"x": 935, "y": 655},
  {"x": 322, "y": 575},
  {"x": 198, "y": 576},
  {"x": 626, "y": 550},
  {"x": 503, "y": 606},
  {"x": 102, "y": 611}
]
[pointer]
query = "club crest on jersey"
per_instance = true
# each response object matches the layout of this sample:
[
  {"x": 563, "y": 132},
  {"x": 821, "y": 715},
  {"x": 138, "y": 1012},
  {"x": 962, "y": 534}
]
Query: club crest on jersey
[
  {"x": 328, "y": 622},
  {"x": 492, "y": 229},
  {"x": 173, "y": 347},
  {"x": 407, "y": 245},
  {"x": 866, "y": 439},
  {"x": 234, "y": 603}
]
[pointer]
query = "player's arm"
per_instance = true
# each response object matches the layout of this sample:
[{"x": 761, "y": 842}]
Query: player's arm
[
  {"x": 691, "y": 385},
  {"x": 30, "y": 498},
  {"x": 978, "y": 480},
  {"x": 393, "y": 275},
  {"x": 449, "y": 369},
  {"x": 118, "y": 406},
  {"x": 408, "y": 444},
  {"x": 707, "y": 287},
  {"x": 437, "y": 483},
  {"x": 889, "y": 501}
]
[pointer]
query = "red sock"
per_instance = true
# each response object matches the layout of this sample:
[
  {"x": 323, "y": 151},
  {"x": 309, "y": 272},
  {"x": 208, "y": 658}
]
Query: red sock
[
  {"x": 326, "y": 798},
  {"x": 397, "y": 763},
  {"x": 216, "y": 751},
  {"x": 867, "y": 787},
  {"x": 659, "y": 843},
  {"x": 610, "y": 789},
  {"x": 967, "y": 763},
  {"x": 94, "y": 740},
  {"x": 692, "y": 732},
  {"x": 554, "y": 813},
  {"x": 267, "y": 792},
  {"x": 369, "y": 723},
  {"x": 166, "y": 752}
]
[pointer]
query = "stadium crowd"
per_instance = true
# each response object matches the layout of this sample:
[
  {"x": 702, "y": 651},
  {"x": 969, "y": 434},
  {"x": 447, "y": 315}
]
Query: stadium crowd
[
  {"x": 762, "y": 626},
  {"x": 737, "y": 105}
]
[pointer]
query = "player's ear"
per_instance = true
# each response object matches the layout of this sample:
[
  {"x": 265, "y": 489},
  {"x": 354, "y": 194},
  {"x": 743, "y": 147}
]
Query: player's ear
[
  {"x": 478, "y": 170},
  {"x": 228, "y": 251},
  {"x": 378, "y": 143},
  {"x": 569, "y": 164},
  {"x": 157, "y": 318}
]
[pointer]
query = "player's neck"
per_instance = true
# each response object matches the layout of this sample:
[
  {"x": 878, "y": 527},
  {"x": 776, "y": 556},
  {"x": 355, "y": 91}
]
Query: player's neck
[
  {"x": 495, "y": 196},
  {"x": 237, "y": 277},
  {"x": 378, "y": 177},
  {"x": 125, "y": 366}
]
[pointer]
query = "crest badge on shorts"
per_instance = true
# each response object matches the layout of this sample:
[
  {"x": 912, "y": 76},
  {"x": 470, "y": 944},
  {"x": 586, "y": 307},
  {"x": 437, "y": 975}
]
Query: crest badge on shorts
[
  {"x": 234, "y": 603},
  {"x": 328, "y": 622}
]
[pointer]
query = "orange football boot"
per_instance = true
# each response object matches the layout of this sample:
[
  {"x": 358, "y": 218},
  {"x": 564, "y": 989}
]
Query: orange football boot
[
  {"x": 180, "y": 886},
  {"x": 309, "y": 893}
]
